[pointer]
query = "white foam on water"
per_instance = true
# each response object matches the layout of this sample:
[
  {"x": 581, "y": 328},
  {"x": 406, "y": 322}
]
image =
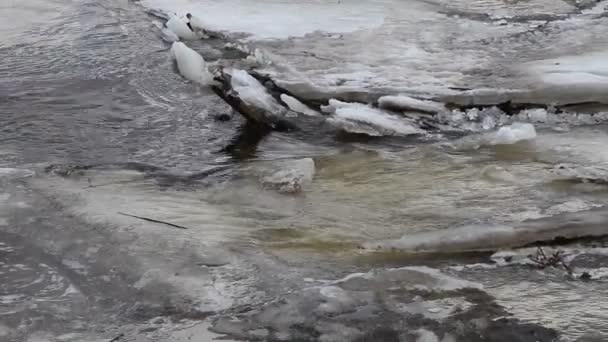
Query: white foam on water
[
  {"x": 191, "y": 64},
  {"x": 360, "y": 118}
]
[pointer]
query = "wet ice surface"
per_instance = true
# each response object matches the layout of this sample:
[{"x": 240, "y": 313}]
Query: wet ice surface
[
  {"x": 527, "y": 292},
  {"x": 423, "y": 47},
  {"x": 251, "y": 208},
  {"x": 272, "y": 245}
]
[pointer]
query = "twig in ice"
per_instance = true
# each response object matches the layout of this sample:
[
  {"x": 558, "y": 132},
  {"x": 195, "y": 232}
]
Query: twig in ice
[{"x": 153, "y": 220}]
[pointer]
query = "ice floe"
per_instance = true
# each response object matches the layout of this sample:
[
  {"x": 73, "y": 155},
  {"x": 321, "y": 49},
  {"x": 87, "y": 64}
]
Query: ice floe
[
  {"x": 568, "y": 225},
  {"x": 360, "y": 118},
  {"x": 191, "y": 64}
]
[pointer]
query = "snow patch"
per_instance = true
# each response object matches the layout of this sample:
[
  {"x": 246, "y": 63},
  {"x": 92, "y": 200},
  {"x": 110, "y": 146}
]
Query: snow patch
[{"x": 277, "y": 19}]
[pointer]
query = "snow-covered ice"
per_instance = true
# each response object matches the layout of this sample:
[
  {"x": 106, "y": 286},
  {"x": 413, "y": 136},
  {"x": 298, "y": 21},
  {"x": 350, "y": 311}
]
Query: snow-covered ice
[
  {"x": 297, "y": 106},
  {"x": 514, "y": 133},
  {"x": 179, "y": 27},
  {"x": 252, "y": 92},
  {"x": 191, "y": 64},
  {"x": 423, "y": 49},
  {"x": 360, "y": 118},
  {"x": 406, "y": 103},
  {"x": 197, "y": 23},
  {"x": 278, "y": 19}
]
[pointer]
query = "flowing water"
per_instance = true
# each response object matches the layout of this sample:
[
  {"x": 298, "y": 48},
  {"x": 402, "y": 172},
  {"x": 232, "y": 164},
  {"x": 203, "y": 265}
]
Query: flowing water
[{"x": 302, "y": 236}]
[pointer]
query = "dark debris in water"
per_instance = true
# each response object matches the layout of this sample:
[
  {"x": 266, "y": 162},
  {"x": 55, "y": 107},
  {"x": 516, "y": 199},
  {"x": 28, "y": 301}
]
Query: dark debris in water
[{"x": 556, "y": 259}]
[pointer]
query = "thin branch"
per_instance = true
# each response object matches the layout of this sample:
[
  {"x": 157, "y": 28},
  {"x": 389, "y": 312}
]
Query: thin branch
[{"x": 153, "y": 220}]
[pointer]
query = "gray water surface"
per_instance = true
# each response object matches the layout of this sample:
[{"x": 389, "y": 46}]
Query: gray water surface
[{"x": 96, "y": 123}]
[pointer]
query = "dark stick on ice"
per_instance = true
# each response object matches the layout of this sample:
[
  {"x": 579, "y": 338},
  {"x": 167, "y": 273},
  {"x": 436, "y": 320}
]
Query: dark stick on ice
[
  {"x": 153, "y": 220},
  {"x": 556, "y": 259}
]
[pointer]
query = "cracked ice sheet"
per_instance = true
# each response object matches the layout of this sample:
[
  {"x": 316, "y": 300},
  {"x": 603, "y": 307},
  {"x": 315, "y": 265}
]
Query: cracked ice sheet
[{"x": 421, "y": 48}]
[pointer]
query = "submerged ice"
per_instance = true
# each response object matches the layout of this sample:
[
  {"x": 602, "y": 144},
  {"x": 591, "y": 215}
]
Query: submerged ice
[{"x": 492, "y": 237}]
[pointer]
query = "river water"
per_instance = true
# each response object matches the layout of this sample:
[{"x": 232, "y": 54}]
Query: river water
[{"x": 303, "y": 236}]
